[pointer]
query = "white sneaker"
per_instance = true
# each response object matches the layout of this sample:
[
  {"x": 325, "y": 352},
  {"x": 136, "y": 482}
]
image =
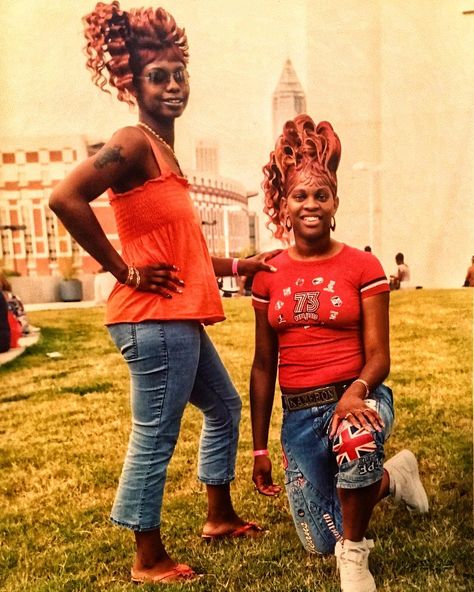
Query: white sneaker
[
  {"x": 405, "y": 483},
  {"x": 353, "y": 565}
]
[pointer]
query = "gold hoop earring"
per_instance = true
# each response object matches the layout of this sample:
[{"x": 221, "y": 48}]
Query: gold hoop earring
[
  {"x": 332, "y": 224},
  {"x": 288, "y": 224}
]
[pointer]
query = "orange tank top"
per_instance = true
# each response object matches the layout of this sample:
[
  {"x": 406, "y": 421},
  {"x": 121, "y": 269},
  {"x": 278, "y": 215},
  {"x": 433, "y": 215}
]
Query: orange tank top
[{"x": 157, "y": 222}]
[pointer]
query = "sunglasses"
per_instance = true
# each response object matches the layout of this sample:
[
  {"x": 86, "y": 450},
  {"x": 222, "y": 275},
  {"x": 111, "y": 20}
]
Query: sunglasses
[{"x": 160, "y": 76}]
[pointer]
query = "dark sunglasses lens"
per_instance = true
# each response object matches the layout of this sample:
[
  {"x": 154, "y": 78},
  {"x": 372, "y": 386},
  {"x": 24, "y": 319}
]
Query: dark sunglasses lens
[
  {"x": 158, "y": 76},
  {"x": 181, "y": 76}
]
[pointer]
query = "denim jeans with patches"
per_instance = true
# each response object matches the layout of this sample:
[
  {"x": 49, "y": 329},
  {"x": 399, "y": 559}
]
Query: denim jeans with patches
[
  {"x": 312, "y": 473},
  {"x": 171, "y": 363}
]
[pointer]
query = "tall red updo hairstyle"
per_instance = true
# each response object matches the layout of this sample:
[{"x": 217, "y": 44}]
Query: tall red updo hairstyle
[
  {"x": 303, "y": 151},
  {"x": 123, "y": 42}
]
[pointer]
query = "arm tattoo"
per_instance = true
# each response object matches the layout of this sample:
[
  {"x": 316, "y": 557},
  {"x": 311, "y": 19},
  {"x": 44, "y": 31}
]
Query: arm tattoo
[{"x": 108, "y": 156}]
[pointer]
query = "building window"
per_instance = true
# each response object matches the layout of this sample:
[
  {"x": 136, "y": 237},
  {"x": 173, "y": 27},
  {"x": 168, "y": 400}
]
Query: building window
[
  {"x": 32, "y": 157},
  {"x": 8, "y": 158},
  {"x": 55, "y": 155}
]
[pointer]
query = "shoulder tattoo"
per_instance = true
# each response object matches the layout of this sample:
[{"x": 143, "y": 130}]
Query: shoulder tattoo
[{"x": 108, "y": 156}]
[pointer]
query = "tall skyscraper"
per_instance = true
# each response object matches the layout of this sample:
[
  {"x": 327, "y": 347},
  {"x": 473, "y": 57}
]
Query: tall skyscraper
[{"x": 288, "y": 99}]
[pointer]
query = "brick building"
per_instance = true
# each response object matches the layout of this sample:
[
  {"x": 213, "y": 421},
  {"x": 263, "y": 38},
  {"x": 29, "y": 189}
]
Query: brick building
[{"x": 33, "y": 242}]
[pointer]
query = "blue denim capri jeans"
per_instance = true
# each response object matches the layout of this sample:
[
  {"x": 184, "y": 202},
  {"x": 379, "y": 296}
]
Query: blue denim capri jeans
[
  {"x": 312, "y": 473},
  {"x": 171, "y": 363}
]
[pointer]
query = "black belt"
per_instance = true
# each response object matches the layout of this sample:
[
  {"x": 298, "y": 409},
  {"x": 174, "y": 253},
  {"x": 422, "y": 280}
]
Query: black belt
[{"x": 323, "y": 395}]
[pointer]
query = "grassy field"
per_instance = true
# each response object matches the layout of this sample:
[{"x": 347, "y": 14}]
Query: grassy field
[{"x": 64, "y": 425}]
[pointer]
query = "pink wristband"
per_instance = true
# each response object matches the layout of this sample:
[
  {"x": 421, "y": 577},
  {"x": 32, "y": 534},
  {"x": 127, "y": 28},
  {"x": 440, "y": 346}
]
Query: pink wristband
[
  {"x": 235, "y": 263},
  {"x": 261, "y": 452}
]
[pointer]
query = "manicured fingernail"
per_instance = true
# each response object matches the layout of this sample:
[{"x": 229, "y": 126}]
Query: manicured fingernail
[{"x": 273, "y": 268}]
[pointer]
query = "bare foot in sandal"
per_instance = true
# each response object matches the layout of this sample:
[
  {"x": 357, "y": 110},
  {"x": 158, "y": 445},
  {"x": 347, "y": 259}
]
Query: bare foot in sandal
[
  {"x": 246, "y": 529},
  {"x": 180, "y": 572}
]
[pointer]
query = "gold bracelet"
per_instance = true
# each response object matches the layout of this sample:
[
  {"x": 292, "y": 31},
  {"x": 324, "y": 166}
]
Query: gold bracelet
[
  {"x": 137, "y": 278},
  {"x": 128, "y": 281}
]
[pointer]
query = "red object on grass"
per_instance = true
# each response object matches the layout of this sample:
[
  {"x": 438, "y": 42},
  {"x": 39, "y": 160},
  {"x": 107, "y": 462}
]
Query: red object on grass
[{"x": 15, "y": 329}]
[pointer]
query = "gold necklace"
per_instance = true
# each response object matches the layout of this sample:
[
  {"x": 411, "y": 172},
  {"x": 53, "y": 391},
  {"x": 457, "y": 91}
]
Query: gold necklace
[{"x": 161, "y": 140}]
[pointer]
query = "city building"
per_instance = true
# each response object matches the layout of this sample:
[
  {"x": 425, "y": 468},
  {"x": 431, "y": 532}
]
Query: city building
[
  {"x": 33, "y": 242},
  {"x": 288, "y": 99}
]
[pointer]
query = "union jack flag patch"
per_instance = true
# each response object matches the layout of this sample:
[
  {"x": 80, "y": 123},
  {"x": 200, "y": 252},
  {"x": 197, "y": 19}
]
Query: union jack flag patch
[{"x": 353, "y": 443}]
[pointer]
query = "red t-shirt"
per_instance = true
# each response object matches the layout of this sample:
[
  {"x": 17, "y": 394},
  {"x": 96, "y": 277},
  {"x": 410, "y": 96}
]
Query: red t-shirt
[{"x": 315, "y": 309}]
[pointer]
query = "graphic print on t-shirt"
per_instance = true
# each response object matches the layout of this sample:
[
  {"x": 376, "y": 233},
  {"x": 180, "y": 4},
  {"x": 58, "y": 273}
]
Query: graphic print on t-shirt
[
  {"x": 330, "y": 286},
  {"x": 306, "y": 305}
]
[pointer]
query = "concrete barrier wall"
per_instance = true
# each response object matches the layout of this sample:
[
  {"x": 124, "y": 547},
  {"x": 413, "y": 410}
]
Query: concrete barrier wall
[{"x": 33, "y": 290}]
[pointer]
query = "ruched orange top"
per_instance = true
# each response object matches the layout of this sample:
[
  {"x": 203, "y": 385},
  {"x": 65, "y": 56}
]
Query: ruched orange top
[{"x": 157, "y": 222}]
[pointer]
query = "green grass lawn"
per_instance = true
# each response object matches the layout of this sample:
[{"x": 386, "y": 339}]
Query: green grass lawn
[{"x": 64, "y": 426}]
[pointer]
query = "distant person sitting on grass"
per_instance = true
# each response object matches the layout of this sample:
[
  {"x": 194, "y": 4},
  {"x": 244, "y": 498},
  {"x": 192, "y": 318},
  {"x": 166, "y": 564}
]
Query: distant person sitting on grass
[
  {"x": 401, "y": 278},
  {"x": 469, "y": 281},
  {"x": 16, "y": 307},
  {"x": 166, "y": 289},
  {"x": 322, "y": 321},
  {"x": 4, "y": 325}
]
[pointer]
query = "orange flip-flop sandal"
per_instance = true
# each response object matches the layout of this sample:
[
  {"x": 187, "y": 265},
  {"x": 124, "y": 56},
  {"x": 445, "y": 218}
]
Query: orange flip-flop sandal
[
  {"x": 180, "y": 573},
  {"x": 249, "y": 529}
]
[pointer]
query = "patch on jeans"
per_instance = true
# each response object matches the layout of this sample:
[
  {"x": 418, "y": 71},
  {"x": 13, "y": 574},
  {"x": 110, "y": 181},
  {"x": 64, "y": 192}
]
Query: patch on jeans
[
  {"x": 332, "y": 527},
  {"x": 352, "y": 443},
  {"x": 297, "y": 483},
  {"x": 307, "y": 537},
  {"x": 369, "y": 464}
]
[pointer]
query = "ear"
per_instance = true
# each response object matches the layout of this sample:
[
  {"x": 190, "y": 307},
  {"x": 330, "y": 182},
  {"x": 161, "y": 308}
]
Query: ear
[{"x": 336, "y": 203}]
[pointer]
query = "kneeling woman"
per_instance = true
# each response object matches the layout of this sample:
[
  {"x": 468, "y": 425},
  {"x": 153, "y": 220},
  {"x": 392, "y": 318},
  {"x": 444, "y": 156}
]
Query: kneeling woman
[{"x": 322, "y": 319}]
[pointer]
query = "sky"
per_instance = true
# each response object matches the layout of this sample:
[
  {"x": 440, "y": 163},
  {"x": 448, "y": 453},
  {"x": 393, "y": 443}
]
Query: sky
[
  {"x": 237, "y": 53},
  {"x": 236, "y": 59}
]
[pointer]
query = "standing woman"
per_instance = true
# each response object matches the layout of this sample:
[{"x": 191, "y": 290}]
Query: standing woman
[
  {"x": 322, "y": 321},
  {"x": 166, "y": 286}
]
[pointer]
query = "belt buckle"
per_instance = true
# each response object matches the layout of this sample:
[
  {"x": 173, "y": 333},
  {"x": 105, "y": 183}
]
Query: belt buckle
[{"x": 314, "y": 398}]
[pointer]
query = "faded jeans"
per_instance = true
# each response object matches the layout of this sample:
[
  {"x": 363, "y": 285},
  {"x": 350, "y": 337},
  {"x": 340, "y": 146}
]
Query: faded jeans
[
  {"x": 171, "y": 363},
  {"x": 312, "y": 474}
]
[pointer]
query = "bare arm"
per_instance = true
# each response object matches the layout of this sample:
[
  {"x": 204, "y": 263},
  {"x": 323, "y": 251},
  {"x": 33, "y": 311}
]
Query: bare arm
[
  {"x": 375, "y": 335},
  {"x": 262, "y": 392},
  {"x": 118, "y": 160},
  {"x": 248, "y": 267},
  {"x": 70, "y": 201}
]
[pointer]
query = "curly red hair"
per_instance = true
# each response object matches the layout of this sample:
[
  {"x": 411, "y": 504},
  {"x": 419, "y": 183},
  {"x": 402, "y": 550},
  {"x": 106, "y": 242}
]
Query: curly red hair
[
  {"x": 303, "y": 149},
  {"x": 124, "y": 42}
]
